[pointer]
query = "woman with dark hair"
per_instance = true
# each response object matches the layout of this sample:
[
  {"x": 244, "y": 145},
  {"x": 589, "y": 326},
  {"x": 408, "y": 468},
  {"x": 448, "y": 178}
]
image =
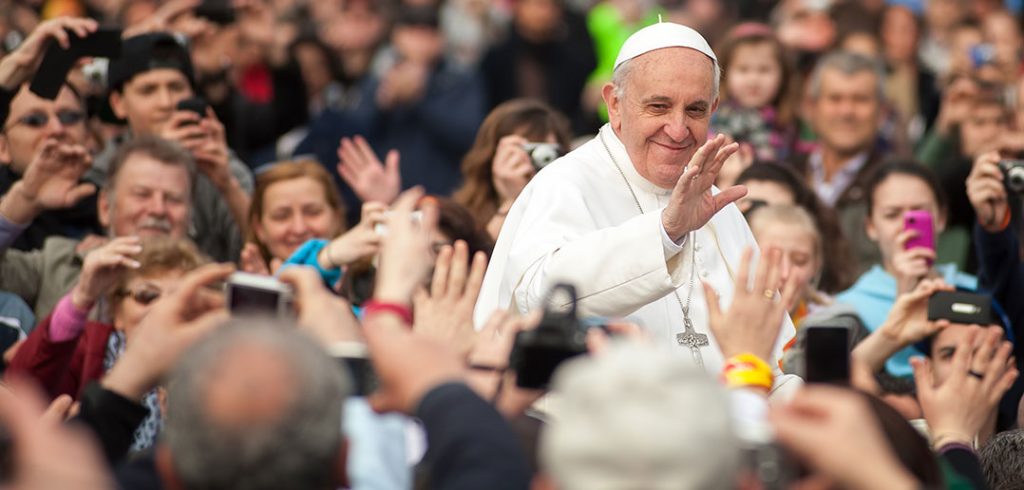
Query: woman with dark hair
[
  {"x": 770, "y": 183},
  {"x": 498, "y": 167},
  {"x": 896, "y": 188}
]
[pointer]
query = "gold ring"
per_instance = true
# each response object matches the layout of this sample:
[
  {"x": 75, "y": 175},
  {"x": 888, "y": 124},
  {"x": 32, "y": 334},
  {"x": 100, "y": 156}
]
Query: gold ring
[{"x": 769, "y": 294}]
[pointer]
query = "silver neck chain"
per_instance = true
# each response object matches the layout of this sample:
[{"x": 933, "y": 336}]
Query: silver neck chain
[{"x": 693, "y": 251}]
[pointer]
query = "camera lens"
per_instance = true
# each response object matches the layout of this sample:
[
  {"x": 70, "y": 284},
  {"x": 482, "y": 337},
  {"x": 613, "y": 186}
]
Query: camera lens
[{"x": 1015, "y": 179}]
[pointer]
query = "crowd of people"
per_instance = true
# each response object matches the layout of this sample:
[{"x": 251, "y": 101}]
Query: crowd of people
[{"x": 715, "y": 184}]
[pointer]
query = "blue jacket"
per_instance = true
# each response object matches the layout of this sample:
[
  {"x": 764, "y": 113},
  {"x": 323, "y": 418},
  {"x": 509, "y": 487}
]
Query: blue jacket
[{"x": 873, "y": 295}]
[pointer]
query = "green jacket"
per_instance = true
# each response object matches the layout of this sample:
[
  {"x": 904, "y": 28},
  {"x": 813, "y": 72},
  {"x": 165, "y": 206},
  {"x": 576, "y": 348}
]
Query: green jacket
[{"x": 42, "y": 277}]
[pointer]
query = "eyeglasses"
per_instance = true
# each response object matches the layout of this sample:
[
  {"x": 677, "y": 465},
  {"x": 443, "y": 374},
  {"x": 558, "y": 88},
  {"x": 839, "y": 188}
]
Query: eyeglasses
[
  {"x": 142, "y": 296},
  {"x": 38, "y": 120}
]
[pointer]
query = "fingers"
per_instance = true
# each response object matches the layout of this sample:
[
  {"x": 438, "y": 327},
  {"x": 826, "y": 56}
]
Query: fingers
[
  {"x": 790, "y": 292},
  {"x": 923, "y": 379},
  {"x": 476, "y": 277},
  {"x": 78, "y": 193},
  {"x": 305, "y": 280},
  {"x": 460, "y": 264},
  {"x": 200, "y": 278},
  {"x": 57, "y": 411},
  {"x": 764, "y": 262},
  {"x": 729, "y": 196},
  {"x": 391, "y": 162},
  {"x": 366, "y": 152},
  {"x": 350, "y": 156},
  {"x": 743, "y": 274},
  {"x": 774, "y": 269},
  {"x": 962, "y": 356},
  {"x": 723, "y": 154},
  {"x": 442, "y": 266}
]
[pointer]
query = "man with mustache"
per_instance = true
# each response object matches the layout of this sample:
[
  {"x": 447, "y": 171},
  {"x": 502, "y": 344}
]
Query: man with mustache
[
  {"x": 147, "y": 192},
  {"x": 845, "y": 110}
]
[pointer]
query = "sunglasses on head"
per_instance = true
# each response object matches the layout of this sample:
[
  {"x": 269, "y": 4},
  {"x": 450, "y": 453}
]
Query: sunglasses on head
[
  {"x": 142, "y": 296},
  {"x": 41, "y": 119}
]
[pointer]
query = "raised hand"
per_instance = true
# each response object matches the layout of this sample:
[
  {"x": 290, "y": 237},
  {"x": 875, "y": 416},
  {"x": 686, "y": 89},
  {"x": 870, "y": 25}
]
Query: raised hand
[
  {"x": 818, "y": 416},
  {"x": 511, "y": 168},
  {"x": 957, "y": 408},
  {"x": 906, "y": 324},
  {"x": 102, "y": 268},
  {"x": 359, "y": 242},
  {"x": 325, "y": 315},
  {"x": 251, "y": 260},
  {"x": 21, "y": 65},
  {"x": 406, "y": 254},
  {"x": 46, "y": 453},
  {"x": 446, "y": 311},
  {"x": 51, "y": 181},
  {"x": 910, "y": 266},
  {"x": 987, "y": 193},
  {"x": 692, "y": 204},
  {"x": 163, "y": 19},
  {"x": 752, "y": 323},
  {"x": 359, "y": 166}
]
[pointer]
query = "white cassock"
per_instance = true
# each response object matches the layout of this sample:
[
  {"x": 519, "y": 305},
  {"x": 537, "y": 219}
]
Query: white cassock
[{"x": 577, "y": 222}]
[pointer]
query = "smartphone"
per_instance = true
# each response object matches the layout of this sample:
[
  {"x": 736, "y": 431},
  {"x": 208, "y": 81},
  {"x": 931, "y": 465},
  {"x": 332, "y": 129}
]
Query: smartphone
[
  {"x": 827, "y": 354},
  {"x": 253, "y": 294},
  {"x": 197, "y": 105},
  {"x": 57, "y": 61},
  {"x": 961, "y": 307},
  {"x": 355, "y": 359},
  {"x": 921, "y": 222}
]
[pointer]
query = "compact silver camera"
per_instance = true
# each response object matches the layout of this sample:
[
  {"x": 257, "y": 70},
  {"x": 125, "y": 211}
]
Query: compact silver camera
[
  {"x": 1013, "y": 175},
  {"x": 541, "y": 154}
]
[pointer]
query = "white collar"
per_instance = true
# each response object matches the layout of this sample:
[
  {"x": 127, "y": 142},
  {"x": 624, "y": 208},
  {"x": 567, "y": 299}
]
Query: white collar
[{"x": 621, "y": 158}]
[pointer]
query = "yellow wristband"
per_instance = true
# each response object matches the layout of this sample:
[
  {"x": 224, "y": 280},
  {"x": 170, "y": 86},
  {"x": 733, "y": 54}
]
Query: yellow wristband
[{"x": 747, "y": 370}]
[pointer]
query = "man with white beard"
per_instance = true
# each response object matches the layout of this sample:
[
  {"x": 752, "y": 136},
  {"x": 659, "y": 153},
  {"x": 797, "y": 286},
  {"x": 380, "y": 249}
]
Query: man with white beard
[{"x": 631, "y": 218}]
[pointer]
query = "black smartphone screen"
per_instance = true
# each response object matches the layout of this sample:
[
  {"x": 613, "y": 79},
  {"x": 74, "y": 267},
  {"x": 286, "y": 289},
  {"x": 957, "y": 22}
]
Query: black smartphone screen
[
  {"x": 960, "y": 307},
  {"x": 827, "y": 355},
  {"x": 245, "y": 300}
]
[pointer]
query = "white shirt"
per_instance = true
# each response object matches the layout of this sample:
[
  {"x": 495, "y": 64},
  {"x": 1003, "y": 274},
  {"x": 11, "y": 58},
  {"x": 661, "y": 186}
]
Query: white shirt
[{"x": 577, "y": 222}]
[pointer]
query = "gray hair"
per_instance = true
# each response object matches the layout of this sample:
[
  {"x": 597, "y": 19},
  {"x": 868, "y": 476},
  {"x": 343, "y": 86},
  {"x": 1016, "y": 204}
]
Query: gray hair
[
  {"x": 641, "y": 417},
  {"x": 297, "y": 449},
  {"x": 1002, "y": 459},
  {"x": 621, "y": 75},
  {"x": 848, "y": 64},
  {"x": 164, "y": 151}
]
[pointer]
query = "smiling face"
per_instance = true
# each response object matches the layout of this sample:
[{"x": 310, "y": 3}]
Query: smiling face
[
  {"x": 846, "y": 111},
  {"x": 662, "y": 112},
  {"x": 295, "y": 211},
  {"x": 132, "y": 307}
]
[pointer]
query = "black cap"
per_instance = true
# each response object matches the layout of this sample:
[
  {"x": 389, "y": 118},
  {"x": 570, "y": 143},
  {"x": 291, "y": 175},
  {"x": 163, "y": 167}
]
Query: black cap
[
  {"x": 146, "y": 52},
  {"x": 424, "y": 16}
]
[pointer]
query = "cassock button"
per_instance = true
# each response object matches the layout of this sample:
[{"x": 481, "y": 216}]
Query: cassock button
[
  {"x": 703, "y": 273},
  {"x": 696, "y": 246}
]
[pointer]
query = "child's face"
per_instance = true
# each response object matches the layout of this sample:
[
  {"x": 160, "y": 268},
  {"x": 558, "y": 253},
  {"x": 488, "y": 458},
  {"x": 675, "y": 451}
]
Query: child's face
[{"x": 754, "y": 76}]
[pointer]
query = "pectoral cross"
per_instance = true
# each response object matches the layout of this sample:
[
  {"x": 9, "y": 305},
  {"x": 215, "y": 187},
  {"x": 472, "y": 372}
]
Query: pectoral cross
[{"x": 693, "y": 340}]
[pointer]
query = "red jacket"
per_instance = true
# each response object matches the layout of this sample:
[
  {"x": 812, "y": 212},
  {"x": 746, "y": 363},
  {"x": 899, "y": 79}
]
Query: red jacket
[{"x": 63, "y": 367}]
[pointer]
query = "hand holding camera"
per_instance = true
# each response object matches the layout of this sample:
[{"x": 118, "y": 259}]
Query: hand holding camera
[
  {"x": 906, "y": 324},
  {"x": 512, "y": 167},
  {"x": 987, "y": 186},
  {"x": 19, "y": 66}
]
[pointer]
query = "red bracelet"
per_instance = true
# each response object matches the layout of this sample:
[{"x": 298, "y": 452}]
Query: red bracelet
[{"x": 373, "y": 307}]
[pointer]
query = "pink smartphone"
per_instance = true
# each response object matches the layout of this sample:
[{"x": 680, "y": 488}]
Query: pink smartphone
[{"x": 921, "y": 222}]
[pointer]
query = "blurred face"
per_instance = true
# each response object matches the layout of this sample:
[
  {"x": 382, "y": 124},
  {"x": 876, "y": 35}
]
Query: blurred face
[
  {"x": 899, "y": 34},
  {"x": 314, "y": 68},
  {"x": 141, "y": 293},
  {"x": 766, "y": 191},
  {"x": 295, "y": 211},
  {"x": 537, "y": 18},
  {"x": 662, "y": 117},
  {"x": 418, "y": 43},
  {"x": 863, "y": 44},
  {"x": 33, "y": 119},
  {"x": 982, "y": 130},
  {"x": 964, "y": 39},
  {"x": 846, "y": 112},
  {"x": 149, "y": 198},
  {"x": 798, "y": 246},
  {"x": 942, "y": 14},
  {"x": 148, "y": 100},
  {"x": 755, "y": 76},
  {"x": 896, "y": 195},
  {"x": 1002, "y": 31}
]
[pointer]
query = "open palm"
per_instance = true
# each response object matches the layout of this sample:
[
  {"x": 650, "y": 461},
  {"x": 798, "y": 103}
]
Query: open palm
[{"x": 692, "y": 203}]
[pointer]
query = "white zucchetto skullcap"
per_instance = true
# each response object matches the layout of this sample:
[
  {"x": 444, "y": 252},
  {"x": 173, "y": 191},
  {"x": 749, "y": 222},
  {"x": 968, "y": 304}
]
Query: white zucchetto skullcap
[{"x": 663, "y": 35}]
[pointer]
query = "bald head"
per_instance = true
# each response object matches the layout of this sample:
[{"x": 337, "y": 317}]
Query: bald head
[{"x": 253, "y": 387}]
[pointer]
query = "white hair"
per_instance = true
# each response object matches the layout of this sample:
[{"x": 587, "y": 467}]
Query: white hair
[
  {"x": 639, "y": 417},
  {"x": 621, "y": 75}
]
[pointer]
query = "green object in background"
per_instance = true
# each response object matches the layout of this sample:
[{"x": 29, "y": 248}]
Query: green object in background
[{"x": 609, "y": 33}]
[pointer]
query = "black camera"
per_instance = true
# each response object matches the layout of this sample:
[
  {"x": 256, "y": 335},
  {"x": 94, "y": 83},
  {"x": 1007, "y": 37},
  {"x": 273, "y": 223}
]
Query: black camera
[
  {"x": 542, "y": 154},
  {"x": 1013, "y": 175},
  {"x": 560, "y": 336}
]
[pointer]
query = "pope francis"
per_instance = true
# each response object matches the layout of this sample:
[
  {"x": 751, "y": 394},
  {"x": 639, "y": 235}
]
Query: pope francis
[{"x": 631, "y": 217}]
